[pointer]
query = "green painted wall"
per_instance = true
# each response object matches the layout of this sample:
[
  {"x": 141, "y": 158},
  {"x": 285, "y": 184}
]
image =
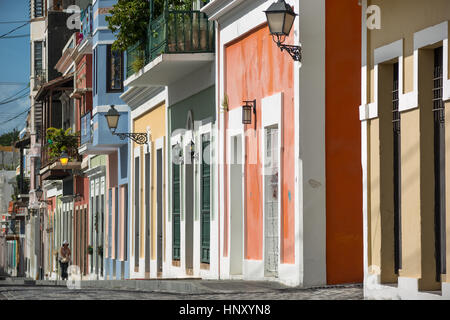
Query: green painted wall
[
  {"x": 98, "y": 161},
  {"x": 202, "y": 105}
]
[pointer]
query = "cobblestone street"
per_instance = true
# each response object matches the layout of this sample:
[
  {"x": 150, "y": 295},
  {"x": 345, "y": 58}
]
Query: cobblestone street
[{"x": 34, "y": 292}]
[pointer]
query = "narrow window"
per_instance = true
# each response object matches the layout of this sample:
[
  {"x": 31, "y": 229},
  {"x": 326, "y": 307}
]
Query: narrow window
[
  {"x": 137, "y": 189},
  {"x": 397, "y": 170},
  {"x": 439, "y": 165},
  {"x": 38, "y": 8},
  {"x": 205, "y": 180},
  {"x": 116, "y": 223},
  {"x": 114, "y": 70},
  {"x": 95, "y": 71},
  {"x": 176, "y": 210},
  {"x": 38, "y": 60},
  {"x": 125, "y": 221}
]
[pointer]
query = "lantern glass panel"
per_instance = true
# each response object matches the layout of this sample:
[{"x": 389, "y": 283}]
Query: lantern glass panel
[
  {"x": 276, "y": 21},
  {"x": 112, "y": 118},
  {"x": 246, "y": 114},
  {"x": 288, "y": 22}
]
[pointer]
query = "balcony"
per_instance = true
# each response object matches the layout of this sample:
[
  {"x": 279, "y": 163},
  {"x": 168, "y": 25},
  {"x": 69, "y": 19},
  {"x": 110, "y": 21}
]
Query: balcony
[
  {"x": 52, "y": 169},
  {"x": 40, "y": 78},
  {"x": 178, "y": 42}
]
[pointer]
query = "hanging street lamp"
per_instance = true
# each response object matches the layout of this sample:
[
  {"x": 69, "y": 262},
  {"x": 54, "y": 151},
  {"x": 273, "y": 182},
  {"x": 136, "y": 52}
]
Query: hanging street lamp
[
  {"x": 112, "y": 118},
  {"x": 280, "y": 17}
]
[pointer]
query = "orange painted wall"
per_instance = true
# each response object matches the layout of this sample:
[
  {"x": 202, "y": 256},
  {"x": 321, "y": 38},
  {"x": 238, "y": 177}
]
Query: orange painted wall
[
  {"x": 343, "y": 142},
  {"x": 254, "y": 69}
]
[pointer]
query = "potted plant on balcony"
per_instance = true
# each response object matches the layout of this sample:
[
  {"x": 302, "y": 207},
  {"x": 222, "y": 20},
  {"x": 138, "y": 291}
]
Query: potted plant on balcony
[
  {"x": 90, "y": 250},
  {"x": 139, "y": 61},
  {"x": 59, "y": 141}
]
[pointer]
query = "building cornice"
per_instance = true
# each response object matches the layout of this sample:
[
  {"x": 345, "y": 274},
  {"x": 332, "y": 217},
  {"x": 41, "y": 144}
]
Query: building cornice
[{"x": 218, "y": 8}]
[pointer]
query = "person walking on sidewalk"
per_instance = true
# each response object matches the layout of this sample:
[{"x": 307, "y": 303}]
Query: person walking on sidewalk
[{"x": 64, "y": 259}]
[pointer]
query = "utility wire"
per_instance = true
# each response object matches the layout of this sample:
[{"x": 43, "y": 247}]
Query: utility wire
[
  {"x": 9, "y": 32},
  {"x": 14, "y": 37},
  {"x": 15, "y": 117},
  {"x": 18, "y": 92},
  {"x": 11, "y": 83},
  {"x": 12, "y": 22},
  {"x": 15, "y": 99}
]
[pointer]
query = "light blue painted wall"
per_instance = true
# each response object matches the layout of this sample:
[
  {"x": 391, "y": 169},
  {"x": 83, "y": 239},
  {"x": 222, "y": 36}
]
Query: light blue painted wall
[{"x": 102, "y": 136}]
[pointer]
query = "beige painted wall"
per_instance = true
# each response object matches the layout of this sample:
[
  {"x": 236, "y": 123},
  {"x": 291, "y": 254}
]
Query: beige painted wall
[
  {"x": 155, "y": 119},
  {"x": 400, "y": 19},
  {"x": 374, "y": 197}
]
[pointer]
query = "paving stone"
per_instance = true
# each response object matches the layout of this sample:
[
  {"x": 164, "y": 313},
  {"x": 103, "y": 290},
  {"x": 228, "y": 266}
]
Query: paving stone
[{"x": 39, "y": 292}]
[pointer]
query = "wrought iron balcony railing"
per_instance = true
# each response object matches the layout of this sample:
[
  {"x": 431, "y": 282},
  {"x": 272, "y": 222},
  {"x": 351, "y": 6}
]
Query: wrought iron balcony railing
[
  {"x": 40, "y": 78},
  {"x": 173, "y": 32},
  {"x": 47, "y": 159}
]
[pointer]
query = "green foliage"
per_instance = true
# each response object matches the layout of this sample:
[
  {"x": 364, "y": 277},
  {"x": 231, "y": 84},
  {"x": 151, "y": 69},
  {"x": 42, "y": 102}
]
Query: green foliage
[
  {"x": 138, "y": 64},
  {"x": 60, "y": 140},
  {"x": 129, "y": 19},
  {"x": 7, "y": 139}
]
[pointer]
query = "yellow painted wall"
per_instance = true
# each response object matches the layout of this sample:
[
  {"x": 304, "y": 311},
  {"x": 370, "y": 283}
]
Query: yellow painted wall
[
  {"x": 410, "y": 195},
  {"x": 374, "y": 196},
  {"x": 155, "y": 119}
]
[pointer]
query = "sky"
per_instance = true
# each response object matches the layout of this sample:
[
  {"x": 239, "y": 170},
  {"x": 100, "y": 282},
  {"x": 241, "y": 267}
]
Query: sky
[{"x": 14, "y": 64}]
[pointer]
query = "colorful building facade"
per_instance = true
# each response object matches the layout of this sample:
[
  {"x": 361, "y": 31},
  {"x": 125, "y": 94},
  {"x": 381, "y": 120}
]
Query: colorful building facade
[
  {"x": 405, "y": 91},
  {"x": 280, "y": 174}
]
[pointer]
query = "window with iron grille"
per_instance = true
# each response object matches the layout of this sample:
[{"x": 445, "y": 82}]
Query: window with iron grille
[
  {"x": 205, "y": 180},
  {"x": 37, "y": 57},
  {"x": 38, "y": 8},
  {"x": 397, "y": 168},
  {"x": 176, "y": 210},
  {"x": 439, "y": 164}
]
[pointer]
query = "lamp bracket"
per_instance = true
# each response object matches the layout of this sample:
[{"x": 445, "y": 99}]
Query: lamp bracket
[
  {"x": 138, "y": 137},
  {"x": 294, "y": 51}
]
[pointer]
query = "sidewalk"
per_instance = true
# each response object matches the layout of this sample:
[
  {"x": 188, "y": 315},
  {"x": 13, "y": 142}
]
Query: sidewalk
[{"x": 177, "y": 286}]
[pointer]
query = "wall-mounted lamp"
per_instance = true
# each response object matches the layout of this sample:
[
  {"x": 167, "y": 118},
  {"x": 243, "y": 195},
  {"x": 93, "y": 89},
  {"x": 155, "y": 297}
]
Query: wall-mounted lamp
[
  {"x": 39, "y": 192},
  {"x": 247, "y": 111},
  {"x": 194, "y": 155},
  {"x": 280, "y": 17},
  {"x": 177, "y": 154},
  {"x": 112, "y": 118}
]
